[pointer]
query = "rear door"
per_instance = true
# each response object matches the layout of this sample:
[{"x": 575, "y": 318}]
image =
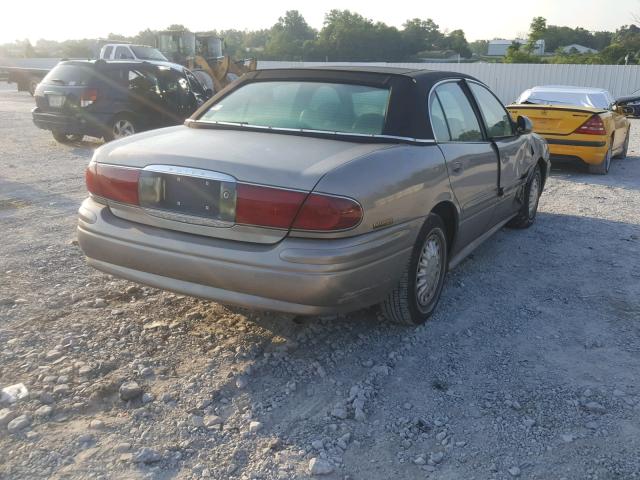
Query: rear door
[
  {"x": 472, "y": 162},
  {"x": 513, "y": 150}
]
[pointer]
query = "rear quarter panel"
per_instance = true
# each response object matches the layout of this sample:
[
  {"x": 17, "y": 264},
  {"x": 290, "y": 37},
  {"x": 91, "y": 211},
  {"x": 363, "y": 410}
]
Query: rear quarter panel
[{"x": 394, "y": 186}]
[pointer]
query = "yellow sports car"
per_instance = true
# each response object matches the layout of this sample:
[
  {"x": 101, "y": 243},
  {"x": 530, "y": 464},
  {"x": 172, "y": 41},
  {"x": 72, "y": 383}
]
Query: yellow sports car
[{"x": 584, "y": 124}]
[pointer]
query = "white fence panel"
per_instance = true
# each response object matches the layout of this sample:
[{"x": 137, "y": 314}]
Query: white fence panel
[{"x": 509, "y": 80}]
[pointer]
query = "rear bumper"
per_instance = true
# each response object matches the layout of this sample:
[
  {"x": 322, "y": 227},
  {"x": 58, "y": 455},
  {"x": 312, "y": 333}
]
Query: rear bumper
[
  {"x": 296, "y": 275},
  {"x": 94, "y": 124},
  {"x": 590, "y": 151}
]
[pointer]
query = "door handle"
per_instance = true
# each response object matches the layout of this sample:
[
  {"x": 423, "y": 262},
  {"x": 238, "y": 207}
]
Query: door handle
[{"x": 456, "y": 167}]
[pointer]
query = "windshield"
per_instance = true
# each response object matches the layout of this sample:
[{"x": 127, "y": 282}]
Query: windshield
[
  {"x": 147, "y": 53},
  {"x": 71, "y": 75},
  {"x": 320, "y": 106},
  {"x": 555, "y": 97}
]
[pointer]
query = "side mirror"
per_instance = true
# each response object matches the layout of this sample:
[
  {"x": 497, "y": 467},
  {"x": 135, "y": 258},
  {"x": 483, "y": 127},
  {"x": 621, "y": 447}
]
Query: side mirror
[{"x": 524, "y": 125}]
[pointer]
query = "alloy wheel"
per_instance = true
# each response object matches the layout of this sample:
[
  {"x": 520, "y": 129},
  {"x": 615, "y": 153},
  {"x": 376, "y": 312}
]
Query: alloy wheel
[{"x": 123, "y": 128}]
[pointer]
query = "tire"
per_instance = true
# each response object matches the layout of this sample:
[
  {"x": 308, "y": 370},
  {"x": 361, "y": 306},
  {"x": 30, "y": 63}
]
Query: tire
[
  {"x": 32, "y": 87},
  {"x": 603, "y": 168},
  {"x": 66, "y": 137},
  {"x": 429, "y": 260},
  {"x": 623, "y": 154},
  {"x": 122, "y": 125},
  {"x": 527, "y": 214}
]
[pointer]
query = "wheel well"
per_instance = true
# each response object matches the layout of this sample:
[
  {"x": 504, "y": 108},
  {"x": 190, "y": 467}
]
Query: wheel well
[{"x": 449, "y": 215}]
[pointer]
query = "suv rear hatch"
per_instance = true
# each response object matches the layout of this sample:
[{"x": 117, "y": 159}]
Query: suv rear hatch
[
  {"x": 67, "y": 87},
  {"x": 554, "y": 119}
]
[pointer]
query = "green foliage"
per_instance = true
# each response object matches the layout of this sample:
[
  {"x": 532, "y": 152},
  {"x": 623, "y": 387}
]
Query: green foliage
[
  {"x": 349, "y": 36},
  {"x": 537, "y": 31},
  {"x": 286, "y": 40},
  {"x": 421, "y": 35},
  {"x": 516, "y": 54}
]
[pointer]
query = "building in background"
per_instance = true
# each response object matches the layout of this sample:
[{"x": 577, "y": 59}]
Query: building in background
[{"x": 498, "y": 48}]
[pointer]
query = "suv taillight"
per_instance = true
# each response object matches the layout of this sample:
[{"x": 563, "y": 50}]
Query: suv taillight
[
  {"x": 593, "y": 126},
  {"x": 88, "y": 97},
  {"x": 112, "y": 182}
]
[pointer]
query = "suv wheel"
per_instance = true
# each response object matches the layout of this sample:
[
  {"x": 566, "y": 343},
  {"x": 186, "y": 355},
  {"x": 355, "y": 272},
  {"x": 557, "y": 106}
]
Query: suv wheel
[
  {"x": 415, "y": 297},
  {"x": 67, "y": 137},
  {"x": 121, "y": 126}
]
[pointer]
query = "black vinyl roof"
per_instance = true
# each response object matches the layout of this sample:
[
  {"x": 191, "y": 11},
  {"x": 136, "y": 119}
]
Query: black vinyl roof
[{"x": 408, "y": 111}]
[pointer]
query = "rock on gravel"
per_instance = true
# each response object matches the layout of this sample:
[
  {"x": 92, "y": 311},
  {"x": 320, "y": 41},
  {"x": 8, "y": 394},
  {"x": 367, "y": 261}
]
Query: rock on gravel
[
  {"x": 13, "y": 393},
  {"x": 19, "y": 423},
  {"x": 320, "y": 466},
  {"x": 147, "y": 455},
  {"x": 130, "y": 390},
  {"x": 255, "y": 427},
  {"x": 6, "y": 415}
]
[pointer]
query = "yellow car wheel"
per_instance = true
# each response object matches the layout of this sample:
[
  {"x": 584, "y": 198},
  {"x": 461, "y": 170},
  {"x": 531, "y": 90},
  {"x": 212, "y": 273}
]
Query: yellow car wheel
[{"x": 602, "y": 168}]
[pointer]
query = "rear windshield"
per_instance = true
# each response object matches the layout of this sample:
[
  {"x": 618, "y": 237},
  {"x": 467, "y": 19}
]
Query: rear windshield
[
  {"x": 555, "y": 97},
  {"x": 70, "y": 75},
  {"x": 320, "y": 106},
  {"x": 147, "y": 53}
]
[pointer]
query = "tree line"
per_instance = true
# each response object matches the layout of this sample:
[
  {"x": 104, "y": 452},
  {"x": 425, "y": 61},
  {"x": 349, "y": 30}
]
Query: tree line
[{"x": 349, "y": 36}]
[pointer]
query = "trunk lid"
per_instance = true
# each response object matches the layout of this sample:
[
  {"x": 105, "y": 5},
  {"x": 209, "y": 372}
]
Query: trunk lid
[
  {"x": 189, "y": 170},
  {"x": 554, "y": 119}
]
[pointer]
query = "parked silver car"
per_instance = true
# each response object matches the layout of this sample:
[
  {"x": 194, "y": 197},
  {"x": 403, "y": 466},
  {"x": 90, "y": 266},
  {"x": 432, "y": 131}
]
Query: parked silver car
[{"x": 315, "y": 191}]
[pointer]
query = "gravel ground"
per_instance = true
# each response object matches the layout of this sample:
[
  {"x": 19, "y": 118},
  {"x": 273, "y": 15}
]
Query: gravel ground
[{"x": 530, "y": 367}]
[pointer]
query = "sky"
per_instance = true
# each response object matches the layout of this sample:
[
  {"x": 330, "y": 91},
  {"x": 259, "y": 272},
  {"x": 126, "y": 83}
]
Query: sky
[{"x": 486, "y": 19}]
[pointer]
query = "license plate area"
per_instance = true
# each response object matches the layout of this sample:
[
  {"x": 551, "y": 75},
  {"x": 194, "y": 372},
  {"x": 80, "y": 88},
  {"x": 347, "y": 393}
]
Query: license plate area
[
  {"x": 55, "y": 101},
  {"x": 188, "y": 195}
]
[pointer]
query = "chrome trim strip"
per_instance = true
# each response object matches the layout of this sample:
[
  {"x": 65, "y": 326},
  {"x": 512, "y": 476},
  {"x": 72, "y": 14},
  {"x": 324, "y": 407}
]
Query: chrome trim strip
[
  {"x": 307, "y": 130},
  {"x": 179, "y": 217},
  {"x": 190, "y": 172}
]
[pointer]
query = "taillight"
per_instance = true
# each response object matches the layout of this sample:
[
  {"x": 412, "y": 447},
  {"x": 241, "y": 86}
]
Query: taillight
[
  {"x": 113, "y": 182},
  {"x": 88, "y": 97},
  {"x": 593, "y": 126},
  {"x": 279, "y": 208},
  {"x": 266, "y": 206},
  {"x": 326, "y": 212}
]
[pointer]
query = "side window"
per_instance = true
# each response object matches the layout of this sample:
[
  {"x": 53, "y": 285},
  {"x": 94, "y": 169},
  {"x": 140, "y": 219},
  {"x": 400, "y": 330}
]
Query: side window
[
  {"x": 196, "y": 86},
  {"x": 107, "y": 52},
  {"x": 123, "y": 53},
  {"x": 438, "y": 123},
  {"x": 495, "y": 116},
  {"x": 461, "y": 119},
  {"x": 142, "y": 82}
]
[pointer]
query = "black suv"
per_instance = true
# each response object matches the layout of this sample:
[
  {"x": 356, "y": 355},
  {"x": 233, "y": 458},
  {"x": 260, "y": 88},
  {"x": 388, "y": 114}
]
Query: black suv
[{"x": 115, "y": 99}]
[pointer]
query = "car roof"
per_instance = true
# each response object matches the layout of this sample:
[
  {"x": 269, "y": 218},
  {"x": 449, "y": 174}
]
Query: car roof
[
  {"x": 376, "y": 69},
  {"x": 567, "y": 88},
  {"x": 137, "y": 63}
]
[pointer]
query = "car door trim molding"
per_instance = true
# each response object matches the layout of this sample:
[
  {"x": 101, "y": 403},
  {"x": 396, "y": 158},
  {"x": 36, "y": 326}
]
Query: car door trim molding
[{"x": 191, "y": 122}]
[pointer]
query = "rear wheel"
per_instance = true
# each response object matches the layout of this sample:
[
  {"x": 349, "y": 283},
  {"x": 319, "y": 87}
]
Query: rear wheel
[
  {"x": 67, "y": 137},
  {"x": 415, "y": 297},
  {"x": 603, "y": 168},
  {"x": 529, "y": 209},
  {"x": 121, "y": 126}
]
